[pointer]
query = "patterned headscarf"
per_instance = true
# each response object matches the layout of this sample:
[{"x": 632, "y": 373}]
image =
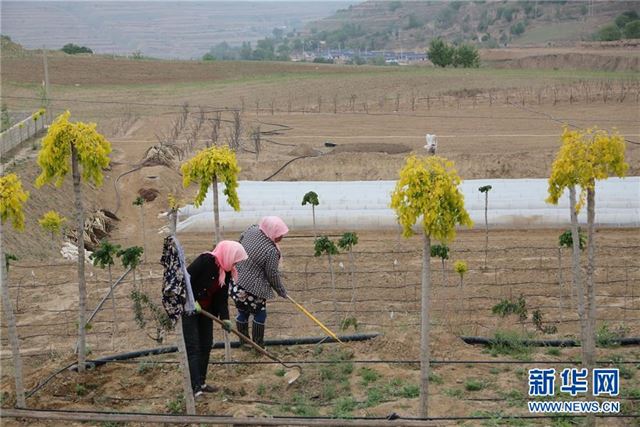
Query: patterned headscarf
[{"x": 228, "y": 254}]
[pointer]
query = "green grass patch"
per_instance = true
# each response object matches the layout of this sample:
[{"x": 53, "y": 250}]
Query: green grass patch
[
  {"x": 280, "y": 372},
  {"x": 435, "y": 378},
  {"x": 553, "y": 351},
  {"x": 453, "y": 392},
  {"x": 344, "y": 407},
  {"x": 368, "y": 375},
  {"x": 473, "y": 384},
  {"x": 510, "y": 343},
  {"x": 176, "y": 406}
]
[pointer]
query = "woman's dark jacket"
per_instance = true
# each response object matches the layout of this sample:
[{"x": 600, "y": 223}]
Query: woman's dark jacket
[{"x": 204, "y": 284}]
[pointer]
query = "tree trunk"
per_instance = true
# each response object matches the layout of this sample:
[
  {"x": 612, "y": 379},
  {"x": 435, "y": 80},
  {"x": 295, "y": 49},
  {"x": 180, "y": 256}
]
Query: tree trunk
[
  {"x": 424, "y": 328},
  {"x": 144, "y": 236},
  {"x": 444, "y": 277},
  {"x": 353, "y": 280},
  {"x": 82, "y": 289},
  {"x": 216, "y": 210},
  {"x": 591, "y": 294},
  {"x": 577, "y": 282},
  {"x": 589, "y": 344},
  {"x": 114, "y": 330},
  {"x": 486, "y": 228},
  {"x": 315, "y": 233},
  {"x": 10, "y": 317},
  {"x": 335, "y": 295}
]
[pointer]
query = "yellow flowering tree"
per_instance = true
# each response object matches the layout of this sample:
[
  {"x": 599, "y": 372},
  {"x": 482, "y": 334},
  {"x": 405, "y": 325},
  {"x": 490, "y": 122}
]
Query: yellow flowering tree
[
  {"x": 12, "y": 199},
  {"x": 74, "y": 146},
  {"x": 427, "y": 193},
  {"x": 208, "y": 167},
  {"x": 51, "y": 222},
  {"x": 585, "y": 157}
]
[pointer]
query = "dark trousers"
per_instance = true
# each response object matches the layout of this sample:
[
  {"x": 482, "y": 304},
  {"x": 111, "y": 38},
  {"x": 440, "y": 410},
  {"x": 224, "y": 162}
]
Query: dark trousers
[{"x": 198, "y": 338}]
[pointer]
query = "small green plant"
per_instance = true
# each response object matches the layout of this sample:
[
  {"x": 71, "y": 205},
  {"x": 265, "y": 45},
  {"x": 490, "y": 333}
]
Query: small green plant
[
  {"x": 474, "y": 385},
  {"x": 374, "y": 397},
  {"x": 510, "y": 343},
  {"x": 435, "y": 378},
  {"x": 177, "y": 405},
  {"x": 324, "y": 245},
  {"x": 565, "y": 240},
  {"x": 626, "y": 372},
  {"x": 81, "y": 389},
  {"x": 368, "y": 375},
  {"x": 507, "y": 307},
  {"x": 280, "y": 372},
  {"x": 349, "y": 321},
  {"x": 494, "y": 371},
  {"x": 145, "y": 309},
  {"x": 146, "y": 367},
  {"x": 454, "y": 392},
  {"x": 410, "y": 391},
  {"x": 261, "y": 390},
  {"x": 606, "y": 337},
  {"x": 344, "y": 407},
  {"x": 536, "y": 318},
  {"x": 553, "y": 351}
]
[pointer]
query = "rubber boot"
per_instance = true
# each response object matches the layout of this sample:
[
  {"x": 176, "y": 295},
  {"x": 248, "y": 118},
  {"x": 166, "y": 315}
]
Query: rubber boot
[
  {"x": 243, "y": 328},
  {"x": 257, "y": 333}
]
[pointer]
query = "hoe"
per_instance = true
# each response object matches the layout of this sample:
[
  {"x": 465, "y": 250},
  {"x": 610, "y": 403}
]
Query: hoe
[{"x": 294, "y": 370}]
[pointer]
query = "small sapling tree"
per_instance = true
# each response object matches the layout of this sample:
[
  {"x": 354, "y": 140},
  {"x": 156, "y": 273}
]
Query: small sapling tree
[
  {"x": 312, "y": 198},
  {"x": 51, "y": 222},
  {"x": 12, "y": 199},
  {"x": 324, "y": 245},
  {"x": 442, "y": 252},
  {"x": 346, "y": 243},
  {"x": 130, "y": 258},
  {"x": 104, "y": 256},
  {"x": 208, "y": 167},
  {"x": 461, "y": 268},
  {"x": 485, "y": 189},
  {"x": 144, "y": 309},
  {"x": 82, "y": 146},
  {"x": 427, "y": 191},
  {"x": 139, "y": 202}
]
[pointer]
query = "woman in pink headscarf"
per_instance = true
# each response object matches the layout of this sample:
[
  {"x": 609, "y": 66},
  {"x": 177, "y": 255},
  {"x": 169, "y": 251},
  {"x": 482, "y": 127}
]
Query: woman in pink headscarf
[
  {"x": 258, "y": 276},
  {"x": 211, "y": 276}
]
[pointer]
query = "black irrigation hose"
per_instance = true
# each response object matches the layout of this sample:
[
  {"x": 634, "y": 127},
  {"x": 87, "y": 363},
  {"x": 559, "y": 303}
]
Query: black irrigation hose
[
  {"x": 234, "y": 344},
  {"x": 388, "y": 362},
  {"x": 285, "y": 165},
  {"x": 547, "y": 343}
]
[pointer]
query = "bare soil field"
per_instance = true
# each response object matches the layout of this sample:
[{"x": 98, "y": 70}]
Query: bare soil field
[{"x": 491, "y": 123}]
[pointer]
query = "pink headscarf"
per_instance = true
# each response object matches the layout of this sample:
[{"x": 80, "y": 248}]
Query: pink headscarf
[
  {"x": 273, "y": 227},
  {"x": 227, "y": 254}
]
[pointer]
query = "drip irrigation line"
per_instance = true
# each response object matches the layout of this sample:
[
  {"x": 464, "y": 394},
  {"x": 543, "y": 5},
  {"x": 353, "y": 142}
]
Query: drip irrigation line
[
  {"x": 49, "y": 378},
  {"x": 151, "y": 417}
]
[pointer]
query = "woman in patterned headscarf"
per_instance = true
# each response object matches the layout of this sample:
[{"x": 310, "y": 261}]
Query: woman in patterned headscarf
[
  {"x": 258, "y": 276},
  {"x": 211, "y": 275}
]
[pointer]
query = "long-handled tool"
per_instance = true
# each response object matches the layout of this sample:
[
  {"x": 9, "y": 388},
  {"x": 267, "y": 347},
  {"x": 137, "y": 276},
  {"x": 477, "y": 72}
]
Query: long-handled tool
[
  {"x": 312, "y": 317},
  {"x": 290, "y": 376}
]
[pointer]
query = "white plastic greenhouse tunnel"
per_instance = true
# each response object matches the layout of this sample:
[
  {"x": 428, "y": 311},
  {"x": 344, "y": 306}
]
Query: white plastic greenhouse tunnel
[{"x": 513, "y": 203}]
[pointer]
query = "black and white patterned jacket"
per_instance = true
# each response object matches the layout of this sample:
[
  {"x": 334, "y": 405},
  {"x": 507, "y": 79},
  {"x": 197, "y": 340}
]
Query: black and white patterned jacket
[{"x": 259, "y": 273}]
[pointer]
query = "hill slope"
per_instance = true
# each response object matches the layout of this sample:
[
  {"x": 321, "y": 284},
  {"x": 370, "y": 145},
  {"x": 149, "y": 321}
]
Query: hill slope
[{"x": 379, "y": 25}]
